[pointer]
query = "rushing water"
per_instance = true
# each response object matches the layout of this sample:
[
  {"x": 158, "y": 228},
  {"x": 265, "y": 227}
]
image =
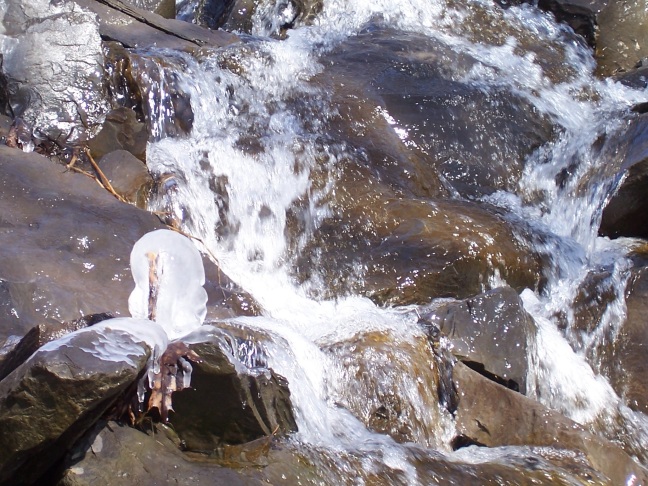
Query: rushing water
[{"x": 256, "y": 161}]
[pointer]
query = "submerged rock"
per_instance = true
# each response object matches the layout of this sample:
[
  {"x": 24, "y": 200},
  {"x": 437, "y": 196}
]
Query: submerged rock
[
  {"x": 489, "y": 332},
  {"x": 391, "y": 385},
  {"x": 49, "y": 401},
  {"x": 228, "y": 402}
]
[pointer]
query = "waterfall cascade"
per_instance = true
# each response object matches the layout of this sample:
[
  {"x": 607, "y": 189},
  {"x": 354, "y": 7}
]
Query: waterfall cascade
[{"x": 276, "y": 179}]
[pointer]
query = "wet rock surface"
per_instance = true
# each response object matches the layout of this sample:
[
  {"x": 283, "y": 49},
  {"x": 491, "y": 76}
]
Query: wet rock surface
[
  {"x": 626, "y": 363},
  {"x": 128, "y": 176},
  {"x": 405, "y": 251},
  {"x": 228, "y": 402},
  {"x": 136, "y": 27},
  {"x": 489, "y": 332},
  {"x": 621, "y": 41},
  {"x": 407, "y": 225},
  {"x": 526, "y": 422},
  {"x": 624, "y": 213},
  {"x": 113, "y": 453},
  {"x": 53, "y": 57},
  {"x": 121, "y": 130},
  {"x": 414, "y": 102},
  {"x": 376, "y": 369},
  {"x": 65, "y": 244},
  {"x": 48, "y": 402}
]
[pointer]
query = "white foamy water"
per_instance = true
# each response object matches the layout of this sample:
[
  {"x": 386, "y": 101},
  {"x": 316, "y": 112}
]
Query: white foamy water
[{"x": 254, "y": 155}]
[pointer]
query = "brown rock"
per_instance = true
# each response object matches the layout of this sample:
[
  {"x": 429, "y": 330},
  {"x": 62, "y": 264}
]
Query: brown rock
[
  {"x": 127, "y": 175},
  {"x": 622, "y": 39},
  {"x": 380, "y": 371},
  {"x": 228, "y": 403},
  {"x": 65, "y": 244},
  {"x": 492, "y": 415},
  {"x": 116, "y": 454},
  {"x": 48, "y": 402},
  {"x": 489, "y": 332},
  {"x": 120, "y": 131}
]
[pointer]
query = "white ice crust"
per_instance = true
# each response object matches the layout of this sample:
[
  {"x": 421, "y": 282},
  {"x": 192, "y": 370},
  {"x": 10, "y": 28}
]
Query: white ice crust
[
  {"x": 181, "y": 298},
  {"x": 104, "y": 348}
]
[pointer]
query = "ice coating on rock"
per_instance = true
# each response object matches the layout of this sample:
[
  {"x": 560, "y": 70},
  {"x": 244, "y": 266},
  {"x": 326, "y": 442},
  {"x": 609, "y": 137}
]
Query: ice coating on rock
[
  {"x": 104, "y": 346},
  {"x": 181, "y": 299}
]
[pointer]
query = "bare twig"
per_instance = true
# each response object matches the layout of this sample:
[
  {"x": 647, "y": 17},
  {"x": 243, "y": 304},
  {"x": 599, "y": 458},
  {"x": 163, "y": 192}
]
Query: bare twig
[{"x": 102, "y": 177}]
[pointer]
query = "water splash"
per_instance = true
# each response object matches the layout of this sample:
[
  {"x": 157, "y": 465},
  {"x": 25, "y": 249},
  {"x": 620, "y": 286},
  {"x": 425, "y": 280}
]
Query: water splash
[{"x": 254, "y": 157}]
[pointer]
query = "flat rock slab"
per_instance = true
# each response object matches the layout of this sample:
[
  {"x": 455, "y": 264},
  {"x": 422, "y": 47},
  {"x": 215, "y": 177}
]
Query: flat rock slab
[
  {"x": 134, "y": 27},
  {"x": 49, "y": 401},
  {"x": 64, "y": 244}
]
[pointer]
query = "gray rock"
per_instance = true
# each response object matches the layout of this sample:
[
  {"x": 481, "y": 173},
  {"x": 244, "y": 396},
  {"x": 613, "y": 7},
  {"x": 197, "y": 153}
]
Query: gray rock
[
  {"x": 491, "y": 415},
  {"x": 53, "y": 50},
  {"x": 228, "y": 402},
  {"x": 490, "y": 331},
  {"x": 48, "y": 402},
  {"x": 64, "y": 246}
]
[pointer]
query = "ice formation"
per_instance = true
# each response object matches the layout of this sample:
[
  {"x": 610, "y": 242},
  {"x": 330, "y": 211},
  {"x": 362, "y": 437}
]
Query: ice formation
[{"x": 180, "y": 299}]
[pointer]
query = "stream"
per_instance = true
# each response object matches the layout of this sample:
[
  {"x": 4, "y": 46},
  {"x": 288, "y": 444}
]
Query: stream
[{"x": 343, "y": 169}]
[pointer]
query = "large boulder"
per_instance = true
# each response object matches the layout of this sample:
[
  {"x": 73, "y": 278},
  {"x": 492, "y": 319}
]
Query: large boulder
[
  {"x": 228, "y": 402},
  {"x": 65, "y": 244},
  {"x": 490, "y": 332},
  {"x": 49, "y": 401},
  {"x": 491, "y": 415},
  {"x": 53, "y": 52}
]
